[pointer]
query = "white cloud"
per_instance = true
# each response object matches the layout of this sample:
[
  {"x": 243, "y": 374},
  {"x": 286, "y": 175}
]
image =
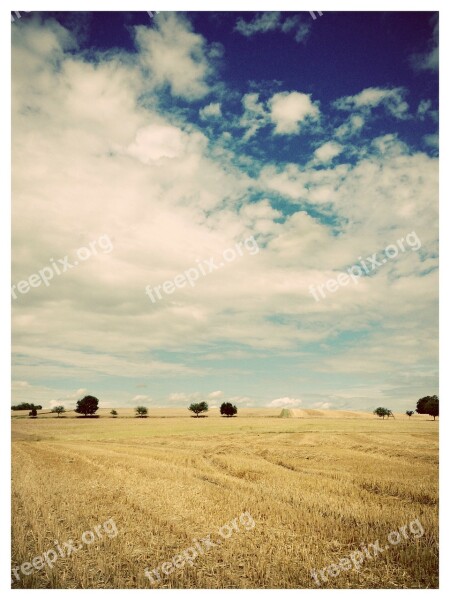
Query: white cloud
[
  {"x": 288, "y": 110},
  {"x": 424, "y": 110},
  {"x": 327, "y": 152},
  {"x": 158, "y": 141},
  {"x": 285, "y": 402},
  {"x": 370, "y": 98},
  {"x": 215, "y": 395},
  {"x": 272, "y": 21},
  {"x": 429, "y": 60},
  {"x": 432, "y": 140},
  {"x": 255, "y": 115},
  {"x": 268, "y": 21},
  {"x": 176, "y": 56},
  {"x": 141, "y": 398},
  {"x": 212, "y": 110},
  {"x": 166, "y": 197},
  {"x": 322, "y": 405},
  {"x": 351, "y": 126}
]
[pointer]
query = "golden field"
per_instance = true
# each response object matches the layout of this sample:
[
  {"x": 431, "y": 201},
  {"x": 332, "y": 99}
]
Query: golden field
[{"x": 318, "y": 487}]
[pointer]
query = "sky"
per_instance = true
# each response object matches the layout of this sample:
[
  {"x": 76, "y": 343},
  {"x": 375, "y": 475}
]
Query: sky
[{"x": 225, "y": 207}]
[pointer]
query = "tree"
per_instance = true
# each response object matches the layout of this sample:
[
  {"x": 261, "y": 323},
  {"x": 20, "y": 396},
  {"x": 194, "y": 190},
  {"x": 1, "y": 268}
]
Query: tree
[
  {"x": 198, "y": 408},
  {"x": 421, "y": 407},
  {"x": 382, "y": 412},
  {"x": 26, "y": 406},
  {"x": 227, "y": 409},
  {"x": 114, "y": 413},
  {"x": 33, "y": 413},
  {"x": 432, "y": 407},
  {"x": 141, "y": 411},
  {"x": 87, "y": 406},
  {"x": 409, "y": 413},
  {"x": 58, "y": 410}
]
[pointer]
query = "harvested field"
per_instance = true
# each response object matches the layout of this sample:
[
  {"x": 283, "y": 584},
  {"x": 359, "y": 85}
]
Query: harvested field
[{"x": 317, "y": 489}]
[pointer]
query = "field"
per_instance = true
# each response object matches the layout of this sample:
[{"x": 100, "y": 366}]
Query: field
[{"x": 317, "y": 489}]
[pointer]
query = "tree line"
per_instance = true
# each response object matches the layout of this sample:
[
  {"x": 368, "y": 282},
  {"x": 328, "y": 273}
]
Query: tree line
[
  {"x": 428, "y": 405},
  {"x": 88, "y": 406}
]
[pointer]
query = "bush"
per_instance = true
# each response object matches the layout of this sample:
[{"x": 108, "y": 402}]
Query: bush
[{"x": 141, "y": 411}]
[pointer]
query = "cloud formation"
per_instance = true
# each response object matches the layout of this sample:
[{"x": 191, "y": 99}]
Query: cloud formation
[
  {"x": 273, "y": 21},
  {"x": 99, "y": 149}
]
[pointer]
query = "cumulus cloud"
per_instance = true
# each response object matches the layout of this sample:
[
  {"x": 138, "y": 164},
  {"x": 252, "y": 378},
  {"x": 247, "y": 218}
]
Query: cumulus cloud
[
  {"x": 184, "y": 65},
  {"x": 90, "y": 158},
  {"x": 288, "y": 110},
  {"x": 211, "y": 111},
  {"x": 327, "y": 152}
]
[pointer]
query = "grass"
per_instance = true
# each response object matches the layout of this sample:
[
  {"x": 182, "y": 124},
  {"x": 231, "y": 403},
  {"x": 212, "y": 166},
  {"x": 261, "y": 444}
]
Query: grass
[{"x": 317, "y": 488}]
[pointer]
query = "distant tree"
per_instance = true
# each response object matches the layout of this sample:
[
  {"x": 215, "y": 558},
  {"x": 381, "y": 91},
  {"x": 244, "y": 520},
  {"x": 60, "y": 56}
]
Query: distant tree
[
  {"x": 87, "y": 406},
  {"x": 26, "y": 406},
  {"x": 33, "y": 413},
  {"x": 198, "y": 408},
  {"x": 390, "y": 414},
  {"x": 381, "y": 412},
  {"x": 227, "y": 409},
  {"x": 141, "y": 411},
  {"x": 428, "y": 405},
  {"x": 58, "y": 410},
  {"x": 114, "y": 413},
  {"x": 409, "y": 413}
]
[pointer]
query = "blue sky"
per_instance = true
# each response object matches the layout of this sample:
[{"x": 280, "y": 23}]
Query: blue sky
[{"x": 311, "y": 143}]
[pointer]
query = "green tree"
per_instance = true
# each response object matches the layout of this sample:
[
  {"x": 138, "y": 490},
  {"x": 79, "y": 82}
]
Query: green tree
[
  {"x": 87, "y": 406},
  {"x": 33, "y": 413},
  {"x": 114, "y": 413},
  {"x": 58, "y": 410},
  {"x": 409, "y": 413},
  {"x": 141, "y": 411},
  {"x": 227, "y": 409},
  {"x": 432, "y": 407},
  {"x": 381, "y": 412},
  {"x": 428, "y": 405},
  {"x": 26, "y": 406},
  {"x": 198, "y": 408}
]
